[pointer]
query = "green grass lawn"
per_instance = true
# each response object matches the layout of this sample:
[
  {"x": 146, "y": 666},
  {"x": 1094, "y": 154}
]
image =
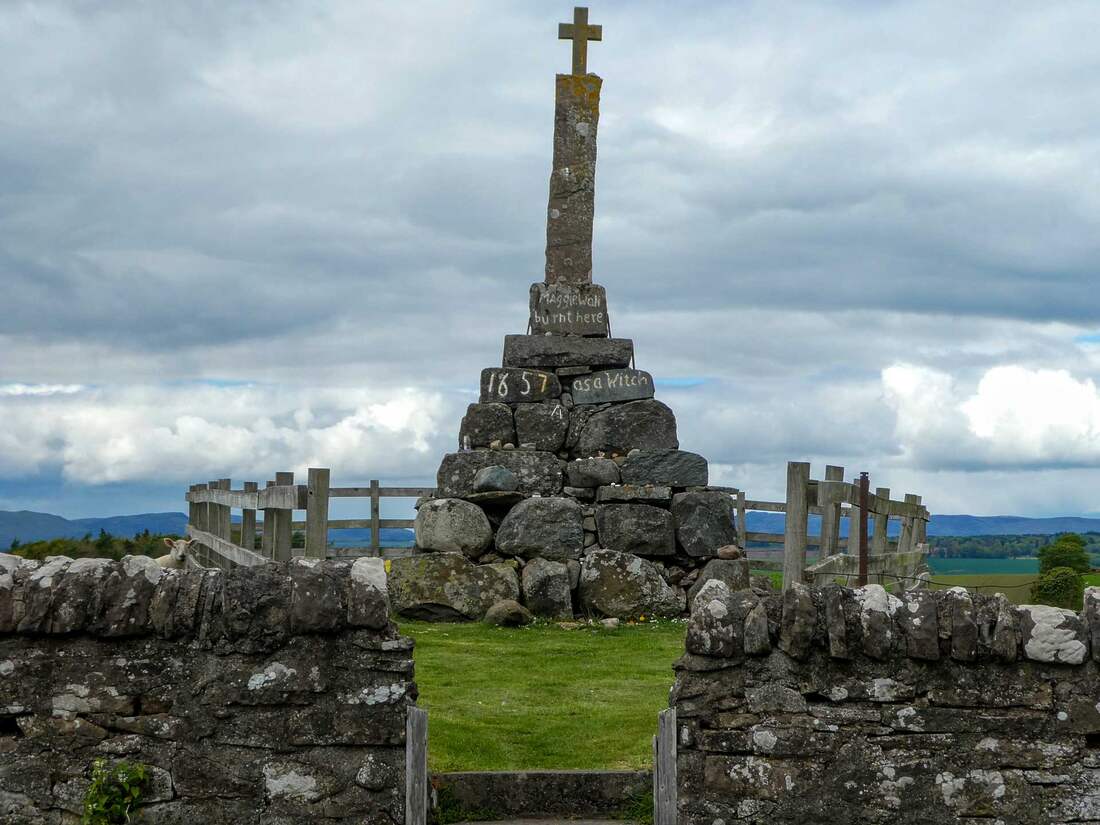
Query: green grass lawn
[{"x": 541, "y": 696}]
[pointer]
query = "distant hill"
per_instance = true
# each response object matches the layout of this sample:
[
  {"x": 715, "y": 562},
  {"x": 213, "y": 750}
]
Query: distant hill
[{"x": 28, "y": 526}]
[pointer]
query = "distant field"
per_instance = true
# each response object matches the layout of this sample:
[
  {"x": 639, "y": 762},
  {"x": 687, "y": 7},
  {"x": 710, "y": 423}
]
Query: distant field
[
  {"x": 543, "y": 697},
  {"x": 1016, "y": 587},
  {"x": 984, "y": 567}
]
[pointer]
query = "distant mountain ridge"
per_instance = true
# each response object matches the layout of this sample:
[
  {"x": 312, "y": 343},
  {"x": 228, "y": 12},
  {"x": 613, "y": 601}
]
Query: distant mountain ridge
[{"x": 28, "y": 526}]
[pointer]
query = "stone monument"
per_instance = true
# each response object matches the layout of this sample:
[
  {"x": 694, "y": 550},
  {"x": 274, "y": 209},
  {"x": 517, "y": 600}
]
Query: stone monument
[{"x": 568, "y": 492}]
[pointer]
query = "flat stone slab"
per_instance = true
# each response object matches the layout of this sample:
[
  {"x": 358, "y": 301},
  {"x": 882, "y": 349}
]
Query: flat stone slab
[
  {"x": 611, "y": 385},
  {"x": 537, "y": 472},
  {"x": 513, "y": 386},
  {"x": 545, "y": 793},
  {"x": 569, "y": 309},
  {"x": 634, "y": 493},
  {"x": 550, "y": 351}
]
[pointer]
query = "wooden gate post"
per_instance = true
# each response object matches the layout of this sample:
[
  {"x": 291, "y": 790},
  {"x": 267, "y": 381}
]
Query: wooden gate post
[
  {"x": 794, "y": 527},
  {"x": 283, "y": 519},
  {"x": 880, "y": 535},
  {"x": 248, "y": 520},
  {"x": 742, "y": 526},
  {"x": 317, "y": 489},
  {"x": 664, "y": 769},
  {"x": 375, "y": 519},
  {"x": 830, "y": 517},
  {"x": 267, "y": 540},
  {"x": 908, "y": 524},
  {"x": 416, "y": 766}
]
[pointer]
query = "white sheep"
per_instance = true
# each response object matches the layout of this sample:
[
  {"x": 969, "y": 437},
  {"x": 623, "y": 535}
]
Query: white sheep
[{"x": 176, "y": 559}]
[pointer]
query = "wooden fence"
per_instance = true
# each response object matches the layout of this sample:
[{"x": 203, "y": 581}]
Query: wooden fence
[{"x": 210, "y": 509}]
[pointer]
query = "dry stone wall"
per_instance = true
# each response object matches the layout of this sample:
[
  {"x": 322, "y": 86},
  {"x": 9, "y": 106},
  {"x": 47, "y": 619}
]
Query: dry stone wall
[
  {"x": 837, "y": 706},
  {"x": 270, "y": 695}
]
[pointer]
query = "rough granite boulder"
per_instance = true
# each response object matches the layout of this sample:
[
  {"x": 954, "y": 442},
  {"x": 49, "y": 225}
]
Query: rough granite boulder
[
  {"x": 542, "y": 426},
  {"x": 549, "y": 528},
  {"x": 485, "y": 423},
  {"x": 675, "y": 468},
  {"x": 644, "y": 425},
  {"x": 641, "y": 529},
  {"x": 734, "y": 573},
  {"x": 452, "y": 525},
  {"x": 704, "y": 522},
  {"x": 546, "y": 590},
  {"x": 448, "y": 587},
  {"x": 1053, "y": 634},
  {"x": 495, "y": 479},
  {"x": 625, "y": 586},
  {"x": 537, "y": 472},
  {"x": 508, "y": 613},
  {"x": 592, "y": 472}
]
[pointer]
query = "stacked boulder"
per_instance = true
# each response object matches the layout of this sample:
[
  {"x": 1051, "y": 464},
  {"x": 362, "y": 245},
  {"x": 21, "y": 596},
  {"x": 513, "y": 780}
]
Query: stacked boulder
[{"x": 568, "y": 493}]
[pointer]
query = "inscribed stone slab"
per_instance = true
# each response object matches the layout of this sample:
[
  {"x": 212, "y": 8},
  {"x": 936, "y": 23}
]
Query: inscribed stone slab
[
  {"x": 612, "y": 385},
  {"x": 566, "y": 309},
  {"x": 511, "y": 386}
]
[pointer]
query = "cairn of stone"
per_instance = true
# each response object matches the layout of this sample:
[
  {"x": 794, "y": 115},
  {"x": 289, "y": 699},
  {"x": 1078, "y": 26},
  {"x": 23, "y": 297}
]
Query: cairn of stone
[{"x": 568, "y": 494}]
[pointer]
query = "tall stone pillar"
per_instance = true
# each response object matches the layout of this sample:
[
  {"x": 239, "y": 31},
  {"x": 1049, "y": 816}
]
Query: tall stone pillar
[{"x": 573, "y": 180}]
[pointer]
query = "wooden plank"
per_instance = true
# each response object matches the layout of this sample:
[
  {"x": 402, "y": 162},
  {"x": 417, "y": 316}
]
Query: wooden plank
[
  {"x": 267, "y": 541},
  {"x": 830, "y": 511},
  {"x": 794, "y": 532},
  {"x": 281, "y": 550},
  {"x": 248, "y": 520},
  {"x": 317, "y": 513},
  {"x": 384, "y": 492},
  {"x": 286, "y": 497},
  {"x": 741, "y": 525},
  {"x": 362, "y": 523},
  {"x": 908, "y": 524},
  {"x": 879, "y": 535},
  {"x": 853, "y": 521},
  {"x": 664, "y": 801},
  {"x": 766, "y": 506},
  {"x": 375, "y": 525},
  {"x": 416, "y": 766},
  {"x": 226, "y": 552}
]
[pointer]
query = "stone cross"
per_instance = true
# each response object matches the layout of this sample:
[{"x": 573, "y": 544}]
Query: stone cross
[
  {"x": 573, "y": 178},
  {"x": 580, "y": 33}
]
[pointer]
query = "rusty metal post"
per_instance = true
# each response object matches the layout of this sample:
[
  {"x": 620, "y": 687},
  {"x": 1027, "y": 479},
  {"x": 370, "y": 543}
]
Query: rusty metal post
[{"x": 864, "y": 489}]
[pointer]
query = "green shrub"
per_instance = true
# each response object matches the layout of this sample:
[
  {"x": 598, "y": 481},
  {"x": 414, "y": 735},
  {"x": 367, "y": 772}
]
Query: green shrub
[
  {"x": 114, "y": 793},
  {"x": 1061, "y": 587},
  {"x": 1065, "y": 551}
]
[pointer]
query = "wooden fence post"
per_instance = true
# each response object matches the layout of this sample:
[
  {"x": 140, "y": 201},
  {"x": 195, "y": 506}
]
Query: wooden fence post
[
  {"x": 317, "y": 513},
  {"x": 267, "y": 540},
  {"x": 794, "y": 527},
  {"x": 830, "y": 517},
  {"x": 742, "y": 525},
  {"x": 880, "y": 535},
  {"x": 375, "y": 519},
  {"x": 283, "y": 519},
  {"x": 225, "y": 514},
  {"x": 196, "y": 514},
  {"x": 908, "y": 525},
  {"x": 248, "y": 520},
  {"x": 922, "y": 530},
  {"x": 664, "y": 769},
  {"x": 416, "y": 766},
  {"x": 853, "y": 521}
]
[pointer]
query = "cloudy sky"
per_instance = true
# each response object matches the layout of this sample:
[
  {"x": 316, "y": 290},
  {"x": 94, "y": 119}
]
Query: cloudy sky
[{"x": 241, "y": 237}]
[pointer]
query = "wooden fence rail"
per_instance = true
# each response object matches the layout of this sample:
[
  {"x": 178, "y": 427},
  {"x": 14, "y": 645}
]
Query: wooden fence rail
[{"x": 210, "y": 508}]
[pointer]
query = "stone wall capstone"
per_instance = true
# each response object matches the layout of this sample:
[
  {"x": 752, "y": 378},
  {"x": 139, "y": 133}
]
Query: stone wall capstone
[
  {"x": 270, "y": 695},
  {"x": 835, "y": 705}
]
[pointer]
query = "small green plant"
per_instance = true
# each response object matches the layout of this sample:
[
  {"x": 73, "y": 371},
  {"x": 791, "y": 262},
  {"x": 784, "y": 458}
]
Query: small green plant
[
  {"x": 1061, "y": 587},
  {"x": 114, "y": 793},
  {"x": 638, "y": 809}
]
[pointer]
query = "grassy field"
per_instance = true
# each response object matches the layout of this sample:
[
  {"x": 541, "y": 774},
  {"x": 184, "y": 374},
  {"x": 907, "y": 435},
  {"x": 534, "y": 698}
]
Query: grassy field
[
  {"x": 543, "y": 697},
  {"x": 1017, "y": 587}
]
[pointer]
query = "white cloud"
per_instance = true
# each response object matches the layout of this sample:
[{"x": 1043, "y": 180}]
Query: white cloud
[
  {"x": 163, "y": 434},
  {"x": 39, "y": 389}
]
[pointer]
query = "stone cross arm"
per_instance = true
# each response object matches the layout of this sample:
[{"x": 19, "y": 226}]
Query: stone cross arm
[{"x": 580, "y": 32}]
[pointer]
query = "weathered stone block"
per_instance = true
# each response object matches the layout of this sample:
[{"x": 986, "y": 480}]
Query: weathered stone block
[
  {"x": 542, "y": 426},
  {"x": 920, "y": 625},
  {"x": 569, "y": 309},
  {"x": 549, "y": 528},
  {"x": 448, "y": 586},
  {"x": 642, "y": 425},
  {"x": 625, "y": 586},
  {"x": 593, "y": 472},
  {"x": 368, "y": 594},
  {"x": 515, "y": 386},
  {"x": 550, "y": 351},
  {"x": 546, "y": 589},
  {"x": 485, "y": 423},
  {"x": 714, "y": 630},
  {"x": 636, "y": 528},
  {"x": 611, "y": 386},
  {"x": 796, "y": 631},
  {"x": 538, "y": 472},
  {"x": 1053, "y": 634},
  {"x": 634, "y": 494},
  {"x": 452, "y": 525},
  {"x": 704, "y": 521},
  {"x": 734, "y": 573},
  {"x": 495, "y": 479},
  {"x": 675, "y": 468}
]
